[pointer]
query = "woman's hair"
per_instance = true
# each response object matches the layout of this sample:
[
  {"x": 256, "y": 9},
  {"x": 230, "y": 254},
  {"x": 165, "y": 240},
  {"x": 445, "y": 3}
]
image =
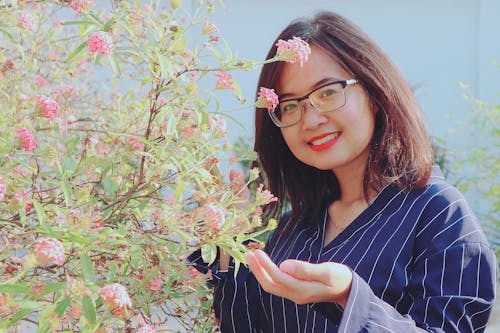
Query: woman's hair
[{"x": 400, "y": 151}]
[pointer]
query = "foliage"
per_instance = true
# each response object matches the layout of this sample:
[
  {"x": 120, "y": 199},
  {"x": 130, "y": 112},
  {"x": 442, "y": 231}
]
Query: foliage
[
  {"x": 478, "y": 163},
  {"x": 109, "y": 155}
]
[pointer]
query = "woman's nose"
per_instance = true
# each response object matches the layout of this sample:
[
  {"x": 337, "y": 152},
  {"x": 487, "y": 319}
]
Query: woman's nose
[{"x": 311, "y": 117}]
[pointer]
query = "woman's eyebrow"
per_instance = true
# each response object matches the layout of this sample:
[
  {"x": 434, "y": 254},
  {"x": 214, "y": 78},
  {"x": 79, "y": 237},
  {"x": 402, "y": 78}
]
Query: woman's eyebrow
[{"x": 314, "y": 86}]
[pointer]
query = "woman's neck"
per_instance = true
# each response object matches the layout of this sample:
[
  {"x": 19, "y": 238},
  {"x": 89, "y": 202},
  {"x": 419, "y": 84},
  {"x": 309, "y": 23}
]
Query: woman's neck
[{"x": 351, "y": 185}]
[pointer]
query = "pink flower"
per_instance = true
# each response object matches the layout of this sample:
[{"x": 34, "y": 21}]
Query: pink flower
[
  {"x": 63, "y": 91},
  {"x": 147, "y": 329},
  {"x": 26, "y": 139},
  {"x": 162, "y": 101},
  {"x": 264, "y": 197},
  {"x": 293, "y": 50},
  {"x": 41, "y": 81},
  {"x": 154, "y": 283},
  {"x": 267, "y": 98},
  {"x": 116, "y": 296},
  {"x": 3, "y": 189},
  {"x": 214, "y": 216},
  {"x": 224, "y": 81},
  {"x": 46, "y": 106},
  {"x": 217, "y": 124},
  {"x": 136, "y": 144},
  {"x": 100, "y": 42},
  {"x": 49, "y": 250},
  {"x": 25, "y": 21},
  {"x": 81, "y": 5},
  {"x": 237, "y": 179}
]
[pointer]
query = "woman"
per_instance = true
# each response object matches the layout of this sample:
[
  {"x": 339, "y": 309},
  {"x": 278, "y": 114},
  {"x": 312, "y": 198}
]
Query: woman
[{"x": 376, "y": 240}]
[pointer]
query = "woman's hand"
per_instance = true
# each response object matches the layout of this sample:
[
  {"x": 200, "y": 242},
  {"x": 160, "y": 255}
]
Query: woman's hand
[{"x": 300, "y": 281}]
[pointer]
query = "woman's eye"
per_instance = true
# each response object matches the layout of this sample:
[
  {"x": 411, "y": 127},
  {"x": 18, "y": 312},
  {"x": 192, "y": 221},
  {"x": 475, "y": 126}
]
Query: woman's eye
[
  {"x": 289, "y": 107},
  {"x": 328, "y": 92}
]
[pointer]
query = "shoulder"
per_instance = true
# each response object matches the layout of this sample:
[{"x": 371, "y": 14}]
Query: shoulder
[{"x": 444, "y": 216}]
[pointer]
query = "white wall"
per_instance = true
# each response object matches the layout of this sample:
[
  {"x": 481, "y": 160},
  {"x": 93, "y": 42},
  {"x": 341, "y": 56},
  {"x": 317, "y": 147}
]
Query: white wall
[{"x": 436, "y": 44}]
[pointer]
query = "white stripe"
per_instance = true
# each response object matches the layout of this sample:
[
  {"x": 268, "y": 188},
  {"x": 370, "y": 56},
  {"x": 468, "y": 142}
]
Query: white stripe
[
  {"x": 461, "y": 271},
  {"x": 380, "y": 326},
  {"x": 262, "y": 301},
  {"x": 386, "y": 242},
  {"x": 348, "y": 319},
  {"x": 248, "y": 305},
  {"x": 444, "y": 311},
  {"x": 232, "y": 305},
  {"x": 284, "y": 243}
]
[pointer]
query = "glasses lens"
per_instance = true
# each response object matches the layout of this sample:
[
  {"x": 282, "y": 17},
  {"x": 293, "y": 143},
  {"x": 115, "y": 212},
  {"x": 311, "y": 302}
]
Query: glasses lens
[
  {"x": 287, "y": 113},
  {"x": 328, "y": 98}
]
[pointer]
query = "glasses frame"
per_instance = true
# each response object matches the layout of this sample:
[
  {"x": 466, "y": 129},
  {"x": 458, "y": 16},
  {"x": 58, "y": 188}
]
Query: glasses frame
[{"x": 344, "y": 84}]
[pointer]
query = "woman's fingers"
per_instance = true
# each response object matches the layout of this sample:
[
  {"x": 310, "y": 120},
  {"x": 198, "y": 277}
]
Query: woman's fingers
[{"x": 300, "y": 281}]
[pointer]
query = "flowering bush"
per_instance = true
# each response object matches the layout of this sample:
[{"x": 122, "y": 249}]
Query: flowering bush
[{"x": 110, "y": 175}]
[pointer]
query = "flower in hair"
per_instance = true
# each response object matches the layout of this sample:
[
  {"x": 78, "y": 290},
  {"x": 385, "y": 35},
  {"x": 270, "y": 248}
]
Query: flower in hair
[
  {"x": 293, "y": 50},
  {"x": 267, "y": 98}
]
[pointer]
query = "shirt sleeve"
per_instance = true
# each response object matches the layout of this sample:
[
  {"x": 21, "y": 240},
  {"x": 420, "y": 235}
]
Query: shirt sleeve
[{"x": 452, "y": 287}]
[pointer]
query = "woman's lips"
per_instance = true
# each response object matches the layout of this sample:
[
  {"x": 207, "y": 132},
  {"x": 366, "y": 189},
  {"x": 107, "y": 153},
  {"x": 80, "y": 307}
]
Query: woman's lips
[{"x": 324, "y": 141}]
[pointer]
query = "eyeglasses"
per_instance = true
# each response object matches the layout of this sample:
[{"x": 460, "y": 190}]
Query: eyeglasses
[{"x": 325, "y": 98}]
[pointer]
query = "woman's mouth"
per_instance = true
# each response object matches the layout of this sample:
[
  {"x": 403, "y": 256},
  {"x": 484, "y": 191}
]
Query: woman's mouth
[{"x": 324, "y": 141}]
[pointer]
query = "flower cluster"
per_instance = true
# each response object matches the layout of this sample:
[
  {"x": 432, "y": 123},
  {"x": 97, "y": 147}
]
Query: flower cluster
[
  {"x": 263, "y": 197},
  {"x": 81, "y": 5},
  {"x": 237, "y": 180},
  {"x": 63, "y": 91},
  {"x": 293, "y": 50},
  {"x": 25, "y": 21},
  {"x": 147, "y": 329},
  {"x": 115, "y": 295},
  {"x": 26, "y": 138},
  {"x": 49, "y": 251},
  {"x": 3, "y": 188},
  {"x": 267, "y": 98},
  {"x": 100, "y": 42},
  {"x": 224, "y": 81},
  {"x": 41, "y": 81},
  {"x": 214, "y": 216},
  {"x": 217, "y": 124},
  {"x": 136, "y": 145},
  {"x": 46, "y": 106}
]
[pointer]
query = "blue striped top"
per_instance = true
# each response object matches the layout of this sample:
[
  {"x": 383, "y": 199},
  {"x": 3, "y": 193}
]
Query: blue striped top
[{"x": 419, "y": 258}]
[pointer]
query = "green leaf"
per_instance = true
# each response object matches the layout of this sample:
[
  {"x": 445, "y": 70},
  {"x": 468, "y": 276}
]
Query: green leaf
[
  {"x": 9, "y": 36},
  {"x": 209, "y": 253},
  {"x": 53, "y": 287},
  {"x": 89, "y": 310},
  {"x": 112, "y": 273},
  {"x": 108, "y": 25},
  {"x": 87, "y": 268},
  {"x": 69, "y": 165},
  {"x": 115, "y": 66},
  {"x": 179, "y": 189},
  {"x": 40, "y": 212},
  {"x": 19, "y": 315},
  {"x": 76, "y": 51},
  {"x": 165, "y": 66},
  {"x": 109, "y": 186},
  {"x": 66, "y": 188},
  {"x": 61, "y": 307},
  {"x": 14, "y": 289}
]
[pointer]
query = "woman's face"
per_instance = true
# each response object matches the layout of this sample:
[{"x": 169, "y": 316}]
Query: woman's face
[{"x": 336, "y": 140}]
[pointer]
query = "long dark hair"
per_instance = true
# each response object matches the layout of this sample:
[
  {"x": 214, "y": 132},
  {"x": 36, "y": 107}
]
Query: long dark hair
[{"x": 401, "y": 152}]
